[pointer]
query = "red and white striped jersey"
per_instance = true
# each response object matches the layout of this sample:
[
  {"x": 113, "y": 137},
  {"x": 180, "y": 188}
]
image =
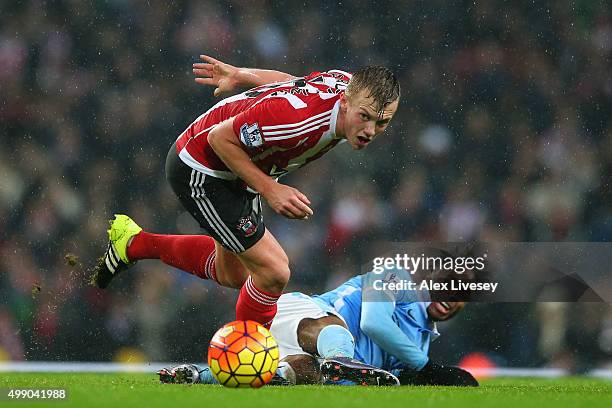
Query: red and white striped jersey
[{"x": 281, "y": 126}]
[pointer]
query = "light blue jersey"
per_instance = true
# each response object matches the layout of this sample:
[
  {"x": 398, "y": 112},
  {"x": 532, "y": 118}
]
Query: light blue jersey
[{"x": 391, "y": 327}]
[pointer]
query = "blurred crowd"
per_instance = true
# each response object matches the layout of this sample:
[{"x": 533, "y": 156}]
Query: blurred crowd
[{"x": 504, "y": 132}]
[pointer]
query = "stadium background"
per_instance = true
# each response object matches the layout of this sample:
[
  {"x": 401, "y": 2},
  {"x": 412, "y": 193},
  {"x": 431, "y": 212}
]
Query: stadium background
[{"x": 503, "y": 133}]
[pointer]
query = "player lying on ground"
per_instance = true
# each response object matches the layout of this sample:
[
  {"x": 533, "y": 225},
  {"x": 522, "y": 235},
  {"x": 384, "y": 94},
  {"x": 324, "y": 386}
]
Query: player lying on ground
[
  {"x": 232, "y": 155},
  {"x": 360, "y": 333}
]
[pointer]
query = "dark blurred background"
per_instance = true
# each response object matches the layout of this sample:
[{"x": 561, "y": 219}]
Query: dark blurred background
[{"x": 504, "y": 132}]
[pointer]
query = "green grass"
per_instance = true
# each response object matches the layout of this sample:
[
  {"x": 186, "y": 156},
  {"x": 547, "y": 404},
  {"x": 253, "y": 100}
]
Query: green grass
[{"x": 141, "y": 390}]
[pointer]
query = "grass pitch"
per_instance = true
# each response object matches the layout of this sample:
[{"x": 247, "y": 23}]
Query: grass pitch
[{"x": 143, "y": 390}]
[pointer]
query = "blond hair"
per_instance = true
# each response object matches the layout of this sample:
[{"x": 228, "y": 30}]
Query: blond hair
[{"x": 379, "y": 81}]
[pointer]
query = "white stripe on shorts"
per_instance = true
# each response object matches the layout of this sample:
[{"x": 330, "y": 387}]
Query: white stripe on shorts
[
  {"x": 210, "y": 214},
  {"x": 194, "y": 195},
  {"x": 215, "y": 216}
]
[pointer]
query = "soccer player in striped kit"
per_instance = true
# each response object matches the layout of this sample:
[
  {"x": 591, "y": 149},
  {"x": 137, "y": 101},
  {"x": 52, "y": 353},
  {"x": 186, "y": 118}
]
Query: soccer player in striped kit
[{"x": 232, "y": 155}]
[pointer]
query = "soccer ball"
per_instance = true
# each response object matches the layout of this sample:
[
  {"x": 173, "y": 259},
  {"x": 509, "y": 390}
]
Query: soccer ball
[{"x": 243, "y": 354}]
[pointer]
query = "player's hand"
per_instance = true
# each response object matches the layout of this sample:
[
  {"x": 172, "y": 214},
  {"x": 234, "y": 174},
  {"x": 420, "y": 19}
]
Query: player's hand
[
  {"x": 224, "y": 77},
  {"x": 288, "y": 201},
  {"x": 436, "y": 374}
]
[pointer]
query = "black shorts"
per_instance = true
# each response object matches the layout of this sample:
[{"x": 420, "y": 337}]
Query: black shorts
[{"x": 229, "y": 213}]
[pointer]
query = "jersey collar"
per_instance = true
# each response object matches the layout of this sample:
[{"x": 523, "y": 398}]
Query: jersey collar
[{"x": 334, "y": 118}]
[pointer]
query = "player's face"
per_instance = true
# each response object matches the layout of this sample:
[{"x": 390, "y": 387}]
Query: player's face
[
  {"x": 440, "y": 311},
  {"x": 362, "y": 121}
]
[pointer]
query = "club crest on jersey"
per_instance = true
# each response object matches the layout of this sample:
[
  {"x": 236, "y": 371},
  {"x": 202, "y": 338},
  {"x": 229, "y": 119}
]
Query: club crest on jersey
[
  {"x": 250, "y": 135},
  {"x": 247, "y": 226}
]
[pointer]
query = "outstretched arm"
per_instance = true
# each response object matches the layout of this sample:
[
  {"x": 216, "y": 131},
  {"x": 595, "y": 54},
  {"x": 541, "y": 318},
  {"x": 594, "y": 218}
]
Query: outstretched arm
[{"x": 227, "y": 78}]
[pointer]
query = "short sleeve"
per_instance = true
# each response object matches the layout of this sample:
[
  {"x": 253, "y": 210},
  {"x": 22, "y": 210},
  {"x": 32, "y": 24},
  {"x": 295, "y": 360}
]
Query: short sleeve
[
  {"x": 279, "y": 120},
  {"x": 392, "y": 285}
]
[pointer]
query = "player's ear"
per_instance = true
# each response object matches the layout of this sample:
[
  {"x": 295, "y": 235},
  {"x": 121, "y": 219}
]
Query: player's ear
[{"x": 343, "y": 102}]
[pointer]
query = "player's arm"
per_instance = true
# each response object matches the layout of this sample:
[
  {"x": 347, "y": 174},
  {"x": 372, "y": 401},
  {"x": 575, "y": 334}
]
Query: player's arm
[
  {"x": 227, "y": 78},
  {"x": 377, "y": 323},
  {"x": 283, "y": 199},
  {"x": 377, "y": 308}
]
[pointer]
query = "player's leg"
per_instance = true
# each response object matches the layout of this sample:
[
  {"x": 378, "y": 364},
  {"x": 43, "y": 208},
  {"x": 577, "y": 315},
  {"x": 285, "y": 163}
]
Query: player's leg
[
  {"x": 199, "y": 255},
  {"x": 209, "y": 257},
  {"x": 233, "y": 216},
  {"x": 326, "y": 337},
  {"x": 268, "y": 263},
  {"x": 329, "y": 338},
  {"x": 304, "y": 331},
  {"x": 192, "y": 255},
  {"x": 230, "y": 271},
  {"x": 205, "y": 197},
  {"x": 269, "y": 273},
  {"x": 203, "y": 256},
  {"x": 303, "y": 326},
  {"x": 297, "y": 365},
  {"x": 299, "y": 369}
]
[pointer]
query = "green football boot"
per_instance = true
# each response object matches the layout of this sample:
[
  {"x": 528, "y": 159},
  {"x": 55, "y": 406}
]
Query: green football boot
[{"x": 115, "y": 260}]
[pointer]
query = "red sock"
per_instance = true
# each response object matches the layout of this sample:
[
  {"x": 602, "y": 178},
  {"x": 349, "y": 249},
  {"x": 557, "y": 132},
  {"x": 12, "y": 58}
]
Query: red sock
[
  {"x": 192, "y": 253},
  {"x": 255, "y": 304}
]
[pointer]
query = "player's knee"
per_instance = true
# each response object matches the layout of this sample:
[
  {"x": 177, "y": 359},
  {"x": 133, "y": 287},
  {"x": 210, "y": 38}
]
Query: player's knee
[
  {"x": 278, "y": 277},
  {"x": 274, "y": 271},
  {"x": 270, "y": 267},
  {"x": 335, "y": 341}
]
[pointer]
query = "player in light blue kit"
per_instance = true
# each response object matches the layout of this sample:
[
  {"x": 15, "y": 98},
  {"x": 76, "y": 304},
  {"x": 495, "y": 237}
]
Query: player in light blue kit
[
  {"x": 393, "y": 327},
  {"x": 365, "y": 323}
]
